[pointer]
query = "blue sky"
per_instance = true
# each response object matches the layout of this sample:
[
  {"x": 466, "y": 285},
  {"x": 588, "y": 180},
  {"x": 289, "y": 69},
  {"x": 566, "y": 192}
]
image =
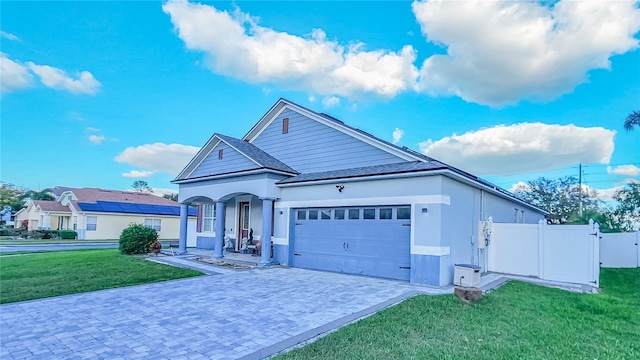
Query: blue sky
[{"x": 100, "y": 94}]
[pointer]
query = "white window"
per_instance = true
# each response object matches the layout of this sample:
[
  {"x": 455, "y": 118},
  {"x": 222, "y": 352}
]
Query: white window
[
  {"x": 208, "y": 217},
  {"x": 92, "y": 223},
  {"x": 153, "y": 223}
]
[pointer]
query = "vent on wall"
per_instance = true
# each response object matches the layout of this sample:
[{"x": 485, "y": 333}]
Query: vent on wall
[
  {"x": 285, "y": 125},
  {"x": 220, "y": 154}
]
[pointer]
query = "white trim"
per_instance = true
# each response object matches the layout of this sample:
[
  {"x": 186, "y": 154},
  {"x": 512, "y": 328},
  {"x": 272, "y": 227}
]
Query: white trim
[
  {"x": 266, "y": 125},
  {"x": 368, "y": 201},
  {"x": 202, "y": 151},
  {"x": 253, "y": 134},
  {"x": 430, "y": 250},
  {"x": 279, "y": 240},
  {"x": 233, "y": 174}
]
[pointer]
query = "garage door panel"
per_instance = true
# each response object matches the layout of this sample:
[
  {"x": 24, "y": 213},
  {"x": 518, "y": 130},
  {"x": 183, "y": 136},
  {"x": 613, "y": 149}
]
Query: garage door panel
[{"x": 373, "y": 247}]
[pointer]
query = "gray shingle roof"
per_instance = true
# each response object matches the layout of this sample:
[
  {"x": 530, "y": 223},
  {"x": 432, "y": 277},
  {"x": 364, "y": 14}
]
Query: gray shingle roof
[
  {"x": 256, "y": 154},
  {"x": 404, "y": 167}
]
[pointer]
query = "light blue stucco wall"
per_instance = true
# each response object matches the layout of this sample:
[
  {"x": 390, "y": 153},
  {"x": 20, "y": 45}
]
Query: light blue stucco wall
[
  {"x": 310, "y": 146},
  {"x": 232, "y": 161},
  {"x": 502, "y": 210},
  {"x": 461, "y": 219}
]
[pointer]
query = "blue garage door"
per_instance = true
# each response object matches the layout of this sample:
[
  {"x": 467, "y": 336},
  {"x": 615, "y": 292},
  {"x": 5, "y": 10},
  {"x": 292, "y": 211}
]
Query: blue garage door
[{"x": 373, "y": 241}]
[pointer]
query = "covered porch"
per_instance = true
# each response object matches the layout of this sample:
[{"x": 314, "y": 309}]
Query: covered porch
[{"x": 235, "y": 215}]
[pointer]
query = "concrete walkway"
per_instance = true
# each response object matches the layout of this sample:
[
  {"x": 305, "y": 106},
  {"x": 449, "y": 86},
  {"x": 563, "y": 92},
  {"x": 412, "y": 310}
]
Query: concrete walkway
[{"x": 240, "y": 314}]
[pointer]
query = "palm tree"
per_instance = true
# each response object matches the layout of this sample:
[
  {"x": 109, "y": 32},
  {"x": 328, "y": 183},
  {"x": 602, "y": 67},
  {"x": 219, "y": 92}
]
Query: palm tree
[{"x": 632, "y": 120}]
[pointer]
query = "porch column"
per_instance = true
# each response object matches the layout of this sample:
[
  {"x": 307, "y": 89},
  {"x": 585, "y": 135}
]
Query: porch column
[
  {"x": 184, "y": 220},
  {"x": 219, "y": 229},
  {"x": 265, "y": 259}
]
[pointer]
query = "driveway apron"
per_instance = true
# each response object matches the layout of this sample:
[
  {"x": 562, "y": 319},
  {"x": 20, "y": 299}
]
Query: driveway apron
[{"x": 249, "y": 314}]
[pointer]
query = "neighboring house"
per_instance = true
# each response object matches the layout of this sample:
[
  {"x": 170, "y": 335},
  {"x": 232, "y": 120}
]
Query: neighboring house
[
  {"x": 102, "y": 214},
  {"x": 333, "y": 197}
]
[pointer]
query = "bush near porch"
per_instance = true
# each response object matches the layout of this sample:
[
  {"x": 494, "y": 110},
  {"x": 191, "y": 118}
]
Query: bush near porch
[{"x": 517, "y": 321}]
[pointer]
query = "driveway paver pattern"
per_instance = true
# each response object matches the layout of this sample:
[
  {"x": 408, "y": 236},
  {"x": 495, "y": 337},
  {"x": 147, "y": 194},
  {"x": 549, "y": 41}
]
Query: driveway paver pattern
[{"x": 237, "y": 314}]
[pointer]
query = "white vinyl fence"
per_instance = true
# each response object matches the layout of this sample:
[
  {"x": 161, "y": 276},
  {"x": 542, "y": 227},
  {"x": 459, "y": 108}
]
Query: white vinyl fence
[
  {"x": 568, "y": 253},
  {"x": 620, "y": 250}
]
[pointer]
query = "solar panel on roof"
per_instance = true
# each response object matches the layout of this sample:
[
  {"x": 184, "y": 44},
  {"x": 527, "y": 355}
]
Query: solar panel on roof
[{"x": 110, "y": 206}]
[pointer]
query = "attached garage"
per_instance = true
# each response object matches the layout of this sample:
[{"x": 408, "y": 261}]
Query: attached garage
[{"x": 372, "y": 241}]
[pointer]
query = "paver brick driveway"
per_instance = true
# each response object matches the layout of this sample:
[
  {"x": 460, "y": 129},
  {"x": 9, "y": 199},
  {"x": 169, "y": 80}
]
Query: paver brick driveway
[{"x": 248, "y": 313}]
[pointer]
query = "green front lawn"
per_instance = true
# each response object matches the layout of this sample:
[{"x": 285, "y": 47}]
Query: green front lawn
[
  {"x": 517, "y": 321},
  {"x": 49, "y": 274},
  {"x": 11, "y": 241}
]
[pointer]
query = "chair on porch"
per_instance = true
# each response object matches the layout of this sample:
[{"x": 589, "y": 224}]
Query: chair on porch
[{"x": 255, "y": 247}]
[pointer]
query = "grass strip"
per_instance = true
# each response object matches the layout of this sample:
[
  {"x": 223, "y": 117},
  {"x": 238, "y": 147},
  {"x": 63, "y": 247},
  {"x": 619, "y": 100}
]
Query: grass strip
[{"x": 68, "y": 272}]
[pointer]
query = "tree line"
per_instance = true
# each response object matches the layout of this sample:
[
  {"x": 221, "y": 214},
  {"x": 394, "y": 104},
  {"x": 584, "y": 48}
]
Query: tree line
[{"x": 567, "y": 203}]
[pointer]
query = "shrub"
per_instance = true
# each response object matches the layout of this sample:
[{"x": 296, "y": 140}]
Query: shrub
[
  {"x": 136, "y": 239},
  {"x": 6, "y": 232},
  {"x": 67, "y": 234}
]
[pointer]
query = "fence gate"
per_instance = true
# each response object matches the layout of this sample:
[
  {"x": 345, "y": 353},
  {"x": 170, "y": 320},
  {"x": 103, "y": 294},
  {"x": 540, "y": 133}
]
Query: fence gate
[
  {"x": 568, "y": 253},
  {"x": 620, "y": 250}
]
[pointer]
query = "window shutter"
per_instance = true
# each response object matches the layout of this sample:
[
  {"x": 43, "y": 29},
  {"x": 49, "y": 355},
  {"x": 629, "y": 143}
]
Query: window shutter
[{"x": 199, "y": 219}]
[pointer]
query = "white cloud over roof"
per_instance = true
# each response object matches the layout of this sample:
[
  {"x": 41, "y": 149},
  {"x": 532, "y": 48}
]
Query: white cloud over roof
[
  {"x": 498, "y": 52},
  {"x": 522, "y": 148},
  {"x": 158, "y": 157},
  {"x": 312, "y": 63}
]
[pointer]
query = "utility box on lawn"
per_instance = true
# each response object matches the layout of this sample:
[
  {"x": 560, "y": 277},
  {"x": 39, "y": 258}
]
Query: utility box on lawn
[{"x": 466, "y": 275}]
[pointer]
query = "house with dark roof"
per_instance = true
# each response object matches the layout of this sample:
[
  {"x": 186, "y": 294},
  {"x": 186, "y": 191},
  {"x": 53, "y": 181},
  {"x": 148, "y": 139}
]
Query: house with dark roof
[
  {"x": 102, "y": 213},
  {"x": 332, "y": 197}
]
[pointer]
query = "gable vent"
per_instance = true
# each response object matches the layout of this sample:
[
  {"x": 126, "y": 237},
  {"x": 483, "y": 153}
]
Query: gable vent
[{"x": 285, "y": 125}]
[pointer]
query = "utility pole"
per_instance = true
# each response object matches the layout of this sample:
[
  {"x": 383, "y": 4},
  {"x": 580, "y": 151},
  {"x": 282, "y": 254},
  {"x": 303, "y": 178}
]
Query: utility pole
[{"x": 580, "y": 190}]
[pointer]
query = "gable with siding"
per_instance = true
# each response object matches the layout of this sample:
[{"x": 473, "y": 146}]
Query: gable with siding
[
  {"x": 232, "y": 161},
  {"x": 311, "y": 146}
]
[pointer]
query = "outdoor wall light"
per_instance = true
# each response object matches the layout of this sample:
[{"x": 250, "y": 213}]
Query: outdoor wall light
[
  {"x": 424, "y": 210},
  {"x": 281, "y": 212},
  {"x": 340, "y": 187}
]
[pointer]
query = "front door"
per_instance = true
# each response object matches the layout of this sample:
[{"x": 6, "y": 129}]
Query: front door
[{"x": 245, "y": 223}]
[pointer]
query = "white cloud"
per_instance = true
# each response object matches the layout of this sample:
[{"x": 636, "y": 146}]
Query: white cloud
[
  {"x": 158, "y": 157},
  {"x": 624, "y": 170},
  {"x": 55, "y": 78},
  {"x": 136, "y": 174},
  {"x": 330, "y": 101},
  {"x": 397, "y": 135},
  {"x": 163, "y": 191},
  {"x": 519, "y": 186},
  {"x": 9, "y": 36},
  {"x": 522, "y": 148},
  {"x": 96, "y": 139},
  {"x": 499, "y": 52},
  {"x": 92, "y": 129},
  {"x": 606, "y": 194},
  {"x": 13, "y": 75},
  {"x": 313, "y": 63}
]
